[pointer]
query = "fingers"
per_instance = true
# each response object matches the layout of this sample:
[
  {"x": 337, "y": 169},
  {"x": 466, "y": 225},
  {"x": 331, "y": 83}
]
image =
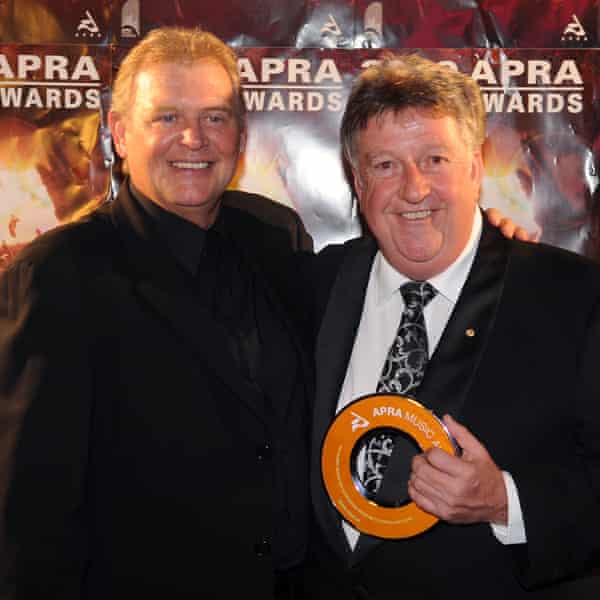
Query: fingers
[
  {"x": 465, "y": 489},
  {"x": 494, "y": 216},
  {"x": 436, "y": 485},
  {"x": 510, "y": 230},
  {"x": 427, "y": 498},
  {"x": 508, "y": 227},
  {"x": 522, "y": 234}
]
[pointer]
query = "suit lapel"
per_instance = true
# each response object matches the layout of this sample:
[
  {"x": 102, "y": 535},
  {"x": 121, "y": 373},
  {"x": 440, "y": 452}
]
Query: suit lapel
[
  {"x": 454, "y": 363},
  {"x": 165, "y": 288},
  {"x": 334, "y": 346},
  {"x": 339, "y": 324}
]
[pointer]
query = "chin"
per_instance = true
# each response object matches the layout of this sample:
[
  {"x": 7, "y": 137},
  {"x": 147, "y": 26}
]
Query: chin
[
  {"x": 194, "y": 201},
  {"x": 419, "y": 253}
]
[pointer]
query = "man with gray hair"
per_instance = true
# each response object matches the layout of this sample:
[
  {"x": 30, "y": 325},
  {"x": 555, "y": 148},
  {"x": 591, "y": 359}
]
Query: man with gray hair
[{"x": 499, "y": 337}]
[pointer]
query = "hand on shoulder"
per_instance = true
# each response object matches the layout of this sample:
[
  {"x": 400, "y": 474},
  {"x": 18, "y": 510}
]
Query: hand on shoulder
[{"x": 508, "y": 227}]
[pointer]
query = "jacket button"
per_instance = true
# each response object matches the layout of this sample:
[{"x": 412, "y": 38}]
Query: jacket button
[
  {"x": 262, "y": 548},
  {"x": 264, "y": 452}
]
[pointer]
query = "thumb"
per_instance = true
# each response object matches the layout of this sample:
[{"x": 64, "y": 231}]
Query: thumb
[{"x": 471, "y": 446}]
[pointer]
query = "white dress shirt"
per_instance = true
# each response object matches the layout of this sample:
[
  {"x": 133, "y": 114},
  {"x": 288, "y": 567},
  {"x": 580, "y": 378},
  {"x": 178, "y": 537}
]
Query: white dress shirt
[{"x": 379, "y": 322}]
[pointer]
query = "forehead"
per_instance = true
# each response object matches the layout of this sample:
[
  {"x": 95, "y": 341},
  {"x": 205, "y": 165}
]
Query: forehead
[
  {"x": 202, "y": 83},
  {"x": 408, "y": 128}
]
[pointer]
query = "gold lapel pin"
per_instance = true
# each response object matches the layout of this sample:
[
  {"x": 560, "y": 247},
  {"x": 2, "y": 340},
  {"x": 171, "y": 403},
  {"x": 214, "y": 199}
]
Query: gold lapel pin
[{"x": 470, "y": 332}]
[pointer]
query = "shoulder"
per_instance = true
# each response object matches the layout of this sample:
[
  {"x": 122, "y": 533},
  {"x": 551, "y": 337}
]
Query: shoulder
[
  {"x": 260, "y": 207},
  {"x": 336, "y": 262},
  {"x": 66, "y": 249},
  {"x": 531, "y": 264},
  {"x": 332, "y": 256},
  {"x": 252, "y": 213},
  {"x": 547, "y": 282},
  {"x": 553, "y": 264}
]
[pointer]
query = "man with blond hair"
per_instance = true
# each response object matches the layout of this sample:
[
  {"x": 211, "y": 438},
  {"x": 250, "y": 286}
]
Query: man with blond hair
[{"x": 152, "y": 388}]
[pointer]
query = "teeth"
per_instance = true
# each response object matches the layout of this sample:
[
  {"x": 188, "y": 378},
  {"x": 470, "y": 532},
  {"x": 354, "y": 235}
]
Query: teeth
[
  {"x": 419, "y": 214},
  {"x": 190, "y": 165}
]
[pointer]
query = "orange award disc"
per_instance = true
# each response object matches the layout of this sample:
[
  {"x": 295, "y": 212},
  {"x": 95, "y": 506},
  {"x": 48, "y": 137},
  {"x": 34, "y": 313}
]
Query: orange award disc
[{"x": 357, "y": 451}]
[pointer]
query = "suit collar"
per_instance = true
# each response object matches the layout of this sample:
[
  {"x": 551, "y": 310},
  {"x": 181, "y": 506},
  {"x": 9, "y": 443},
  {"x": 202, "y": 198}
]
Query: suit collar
[{"x": 184, "y": 239}]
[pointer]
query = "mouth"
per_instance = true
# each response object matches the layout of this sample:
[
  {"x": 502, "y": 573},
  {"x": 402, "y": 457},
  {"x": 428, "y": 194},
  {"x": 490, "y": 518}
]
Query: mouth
[
  {"x": 415, "y": 215},
  {"x": 193, "y": 165}
]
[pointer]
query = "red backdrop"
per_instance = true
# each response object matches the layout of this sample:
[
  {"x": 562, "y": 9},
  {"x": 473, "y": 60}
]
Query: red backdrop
[{"x": 536, "y": 61}]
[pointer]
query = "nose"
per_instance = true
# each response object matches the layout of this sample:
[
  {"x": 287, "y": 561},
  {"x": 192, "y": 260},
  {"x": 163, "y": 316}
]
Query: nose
[
  {"x": 193, "y": 135},
  {"x": 416, "y": 185}
]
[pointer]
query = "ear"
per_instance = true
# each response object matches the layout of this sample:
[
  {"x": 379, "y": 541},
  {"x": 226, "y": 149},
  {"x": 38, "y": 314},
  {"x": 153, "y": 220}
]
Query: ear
[
  {"x": 116, "y": 122},
  {"x": 358, "y": 182},
  {"x": 243, "y": 138},
  {"x": 477, "y": 168}
]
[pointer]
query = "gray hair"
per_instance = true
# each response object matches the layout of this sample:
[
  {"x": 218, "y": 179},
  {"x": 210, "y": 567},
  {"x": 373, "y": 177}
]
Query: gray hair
[{"x": 411, "y": 81}]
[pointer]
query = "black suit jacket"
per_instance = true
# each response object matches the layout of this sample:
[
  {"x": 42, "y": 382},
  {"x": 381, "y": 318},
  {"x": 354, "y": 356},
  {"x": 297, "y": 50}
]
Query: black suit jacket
[
  {"x": 527, "y": 385},
  {"x": 135, "y": 460}
]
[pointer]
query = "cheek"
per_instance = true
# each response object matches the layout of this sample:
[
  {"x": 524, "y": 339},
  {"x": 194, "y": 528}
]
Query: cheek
[
  {"x": 227, "y": 140},
  {"x": 150, "y": 142},
  {"x": 229, "y": 144},
  {"x": 376, "y": 198}
]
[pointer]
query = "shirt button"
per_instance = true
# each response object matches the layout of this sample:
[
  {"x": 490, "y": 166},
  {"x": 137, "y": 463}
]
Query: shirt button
[
  {"x": 262, "y": 548},
  {"x": 264, "y": 452}
]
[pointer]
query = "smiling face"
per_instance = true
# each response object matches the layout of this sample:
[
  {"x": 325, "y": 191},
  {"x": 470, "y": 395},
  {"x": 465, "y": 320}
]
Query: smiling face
[
  {"x": 181, "y": 137},
  {"x": 418, "y": 186}
]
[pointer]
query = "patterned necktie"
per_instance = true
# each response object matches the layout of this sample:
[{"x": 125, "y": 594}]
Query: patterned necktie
[
  {"x": 402, "y": 373},
  {"x": 405, "y": 364}
]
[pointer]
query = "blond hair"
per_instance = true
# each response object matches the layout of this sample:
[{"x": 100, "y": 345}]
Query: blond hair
[{"x": 174, "y": 45}]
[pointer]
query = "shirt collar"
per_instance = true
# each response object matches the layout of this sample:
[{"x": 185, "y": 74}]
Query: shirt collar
[
  {"x": 448, "y": 283},
  {"x": 184, "y": 239}
]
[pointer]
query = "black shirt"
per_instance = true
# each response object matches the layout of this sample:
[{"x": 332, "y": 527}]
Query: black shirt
[{"x": 220, "y": 279}]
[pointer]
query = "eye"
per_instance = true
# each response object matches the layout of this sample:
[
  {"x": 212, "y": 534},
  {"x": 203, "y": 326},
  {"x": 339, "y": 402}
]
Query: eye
[
  {"x": 167, "y": 118},
  {"x": 383, "y": 168},
  {"x": 438, "y": 159},
  {"x": 216, "y": 118},
  {"x": 434, "y": 163}
]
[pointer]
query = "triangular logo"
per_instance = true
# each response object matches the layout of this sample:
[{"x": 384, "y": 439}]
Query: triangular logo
[
  {"x": 87, "y": 26},
  {"x": 331, "y": 26},
  {"x": 358, "y": 422},
  {"x": 574, "y": 31}
]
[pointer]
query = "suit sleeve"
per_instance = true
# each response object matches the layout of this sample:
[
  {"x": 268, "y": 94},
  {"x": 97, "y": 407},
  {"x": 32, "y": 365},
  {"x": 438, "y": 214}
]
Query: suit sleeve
[
  {"x": 45, "y": 405},
  {"x": 561, "y": 498}
]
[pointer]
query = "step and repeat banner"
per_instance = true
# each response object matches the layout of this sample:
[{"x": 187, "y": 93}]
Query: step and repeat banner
[{"x": 537, "y": 62}]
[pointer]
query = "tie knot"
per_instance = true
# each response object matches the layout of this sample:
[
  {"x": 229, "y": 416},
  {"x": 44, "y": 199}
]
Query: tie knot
[{"x": 417, "y": 294}]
